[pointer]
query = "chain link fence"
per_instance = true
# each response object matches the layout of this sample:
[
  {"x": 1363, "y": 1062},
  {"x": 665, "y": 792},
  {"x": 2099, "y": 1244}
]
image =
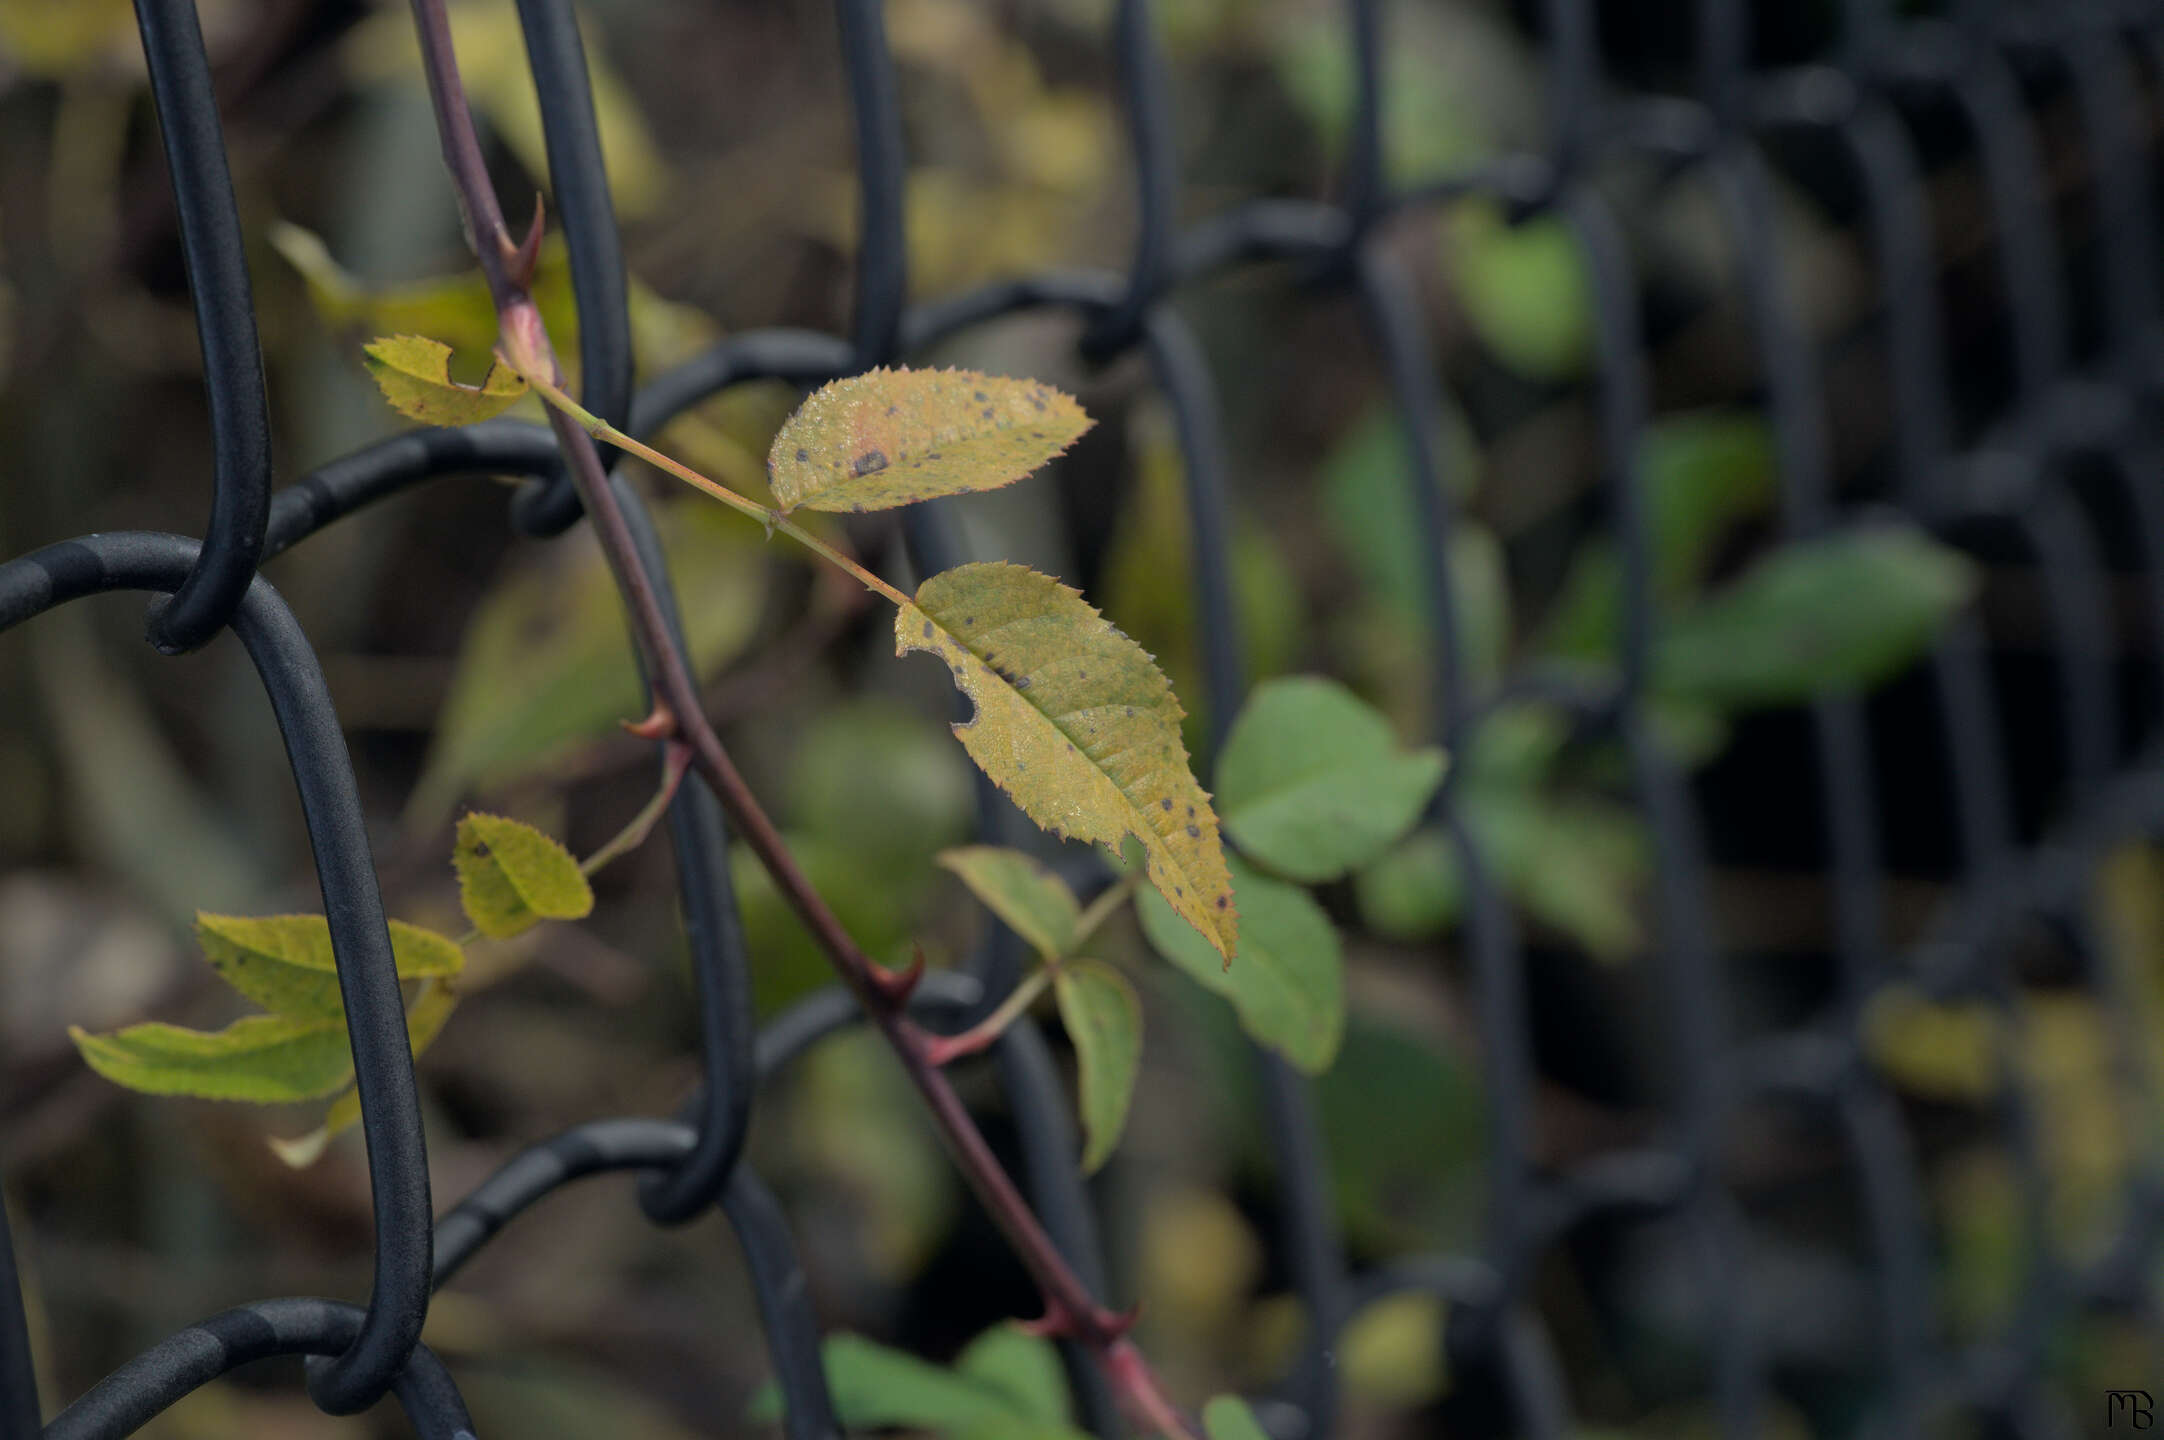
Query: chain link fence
[{"x": 2098, "y": 416}]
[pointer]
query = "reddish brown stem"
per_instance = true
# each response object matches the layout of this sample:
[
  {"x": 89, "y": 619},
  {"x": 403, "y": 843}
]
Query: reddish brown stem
[{"x": 1070, "y": 1310}]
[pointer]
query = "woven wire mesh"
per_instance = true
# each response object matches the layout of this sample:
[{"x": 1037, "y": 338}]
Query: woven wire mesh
[{"x": 1510, "y": 1379}]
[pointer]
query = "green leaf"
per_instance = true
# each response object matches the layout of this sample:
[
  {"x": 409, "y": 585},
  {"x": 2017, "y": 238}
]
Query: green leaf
[
  {"x": 894, "y": 437},
  {"x": 1369, "y": 510},
  {"x": 1312, "y": 782},
  {"x": 1076, "y": 723},
  {"x": 1227, "y": 1418},
  {"x": 414, "y": 374},
  {"x": 1103, "y": 1016},
  {"x": 284, "y": 962},
  {"x": 543, "y": 665},
  {"x": 511, "y": 876},
  {"x": 425, "y": 1019},
  {"x": 1430, "y": 126},
  {"x": 1574, "y": 862},
  {"x": 1287, "y": 979},
  {"x": 1702, "y": 474},
  {"x": 875, "y": 1387},
  {"x": 1035, "y": 903},
  {"x": 1406, "y": 1174},
  {"x": 1022, "y": 1367},
  {"x": 1843, "y": 612},
  {"x": 270, "y": 1059},
  {"x": 1524, "y": 288},
  {"x": 1413, "y": 892}
]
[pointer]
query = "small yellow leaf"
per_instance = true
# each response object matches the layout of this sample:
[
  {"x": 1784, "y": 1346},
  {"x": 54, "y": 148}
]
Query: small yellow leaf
[
  {"x": 414, "y": 374},
  {"x": 1076, "y": 722},
  {"x": 511, "y": 875},
  {"x": 893, "y": 437}
]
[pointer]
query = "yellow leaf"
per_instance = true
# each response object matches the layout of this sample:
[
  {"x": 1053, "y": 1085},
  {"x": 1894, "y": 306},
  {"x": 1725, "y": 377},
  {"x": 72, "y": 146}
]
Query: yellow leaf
[
  {"x": 893, "y": 437},
  {"x": 414, "y": 374},
  {"x": 1076, "y": 722},
  {"x": 511, "y": 875}
]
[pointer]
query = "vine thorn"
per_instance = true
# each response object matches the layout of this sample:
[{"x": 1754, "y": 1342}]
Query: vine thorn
[
  {"x": 519, "y": 262},
  {"x": 897, "y": 985},
  {"x": 660, "y": 725}
]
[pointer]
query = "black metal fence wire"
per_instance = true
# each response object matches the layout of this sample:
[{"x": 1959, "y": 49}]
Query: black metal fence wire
[{"x": 2016, "y": 475}]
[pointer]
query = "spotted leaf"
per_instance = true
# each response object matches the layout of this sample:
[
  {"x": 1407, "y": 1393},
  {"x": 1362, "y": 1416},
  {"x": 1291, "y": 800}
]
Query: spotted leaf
[
  {"x": 511, "y": 875},
  {"x": 1076, "y": 722},
  {"x": 893, "y": 437}
]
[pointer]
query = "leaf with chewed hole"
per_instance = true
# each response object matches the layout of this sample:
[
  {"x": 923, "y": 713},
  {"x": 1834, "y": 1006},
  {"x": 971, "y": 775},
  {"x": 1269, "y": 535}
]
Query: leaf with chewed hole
[
  {"x": 414, "y": 374},
  {"x": 511, "y": 875},
  {"x": 424, "y": 1022},
  {"x": 894, "y": 437},
  {"x": 1075, "y": 721},
  {"x": 1288, "y": 978},
  {"x": 1103, "y": 1016},
  {"x": 269, "y": 1059},
  {"x": 284, "y": 962},
  {"x": 1019, "y": 889}
]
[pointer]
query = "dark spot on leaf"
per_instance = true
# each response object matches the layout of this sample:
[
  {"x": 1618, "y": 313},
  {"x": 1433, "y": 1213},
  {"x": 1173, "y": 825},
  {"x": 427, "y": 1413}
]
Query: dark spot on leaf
[
  {"x": 893, "y": 410},
  {"x": 1166, "y": 803},
  {"x": 803, "y": 456},
  {"x": 1037, "y": 400},
  {"x": 982, "y": 398},
  {"x": 1190, "y": 812},
  {"x": 1223, "y": 901},
  {"x": 1194, "y": 832},
  {"x": 869, "y": 462},
  {"x": 927, "y": 629},
  {"x": 987, "y": 412},
  {"x": 480, "y": 848},
  {"x": 1022, "y": 684}
]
